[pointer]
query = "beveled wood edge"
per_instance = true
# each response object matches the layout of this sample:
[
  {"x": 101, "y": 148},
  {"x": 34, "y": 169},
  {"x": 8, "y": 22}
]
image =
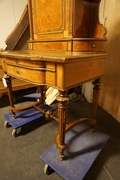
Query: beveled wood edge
[
  {"x": 51, "y": 56},
  {"x": 67, "y": 39}
]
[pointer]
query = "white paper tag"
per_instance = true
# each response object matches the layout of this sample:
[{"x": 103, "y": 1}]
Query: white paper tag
[{"x": 4, "y": 82}]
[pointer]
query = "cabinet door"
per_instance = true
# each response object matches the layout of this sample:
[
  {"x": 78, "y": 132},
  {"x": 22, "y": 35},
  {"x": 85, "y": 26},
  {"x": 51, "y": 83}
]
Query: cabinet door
[{"x": 48, "y": 18}]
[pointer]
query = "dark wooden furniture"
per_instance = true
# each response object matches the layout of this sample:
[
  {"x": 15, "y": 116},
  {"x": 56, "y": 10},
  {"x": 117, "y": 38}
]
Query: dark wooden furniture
[{"x": 66, "y": 48}]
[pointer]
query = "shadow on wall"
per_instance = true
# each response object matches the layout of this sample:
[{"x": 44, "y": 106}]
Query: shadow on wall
[{"x": 110, "y": 91}]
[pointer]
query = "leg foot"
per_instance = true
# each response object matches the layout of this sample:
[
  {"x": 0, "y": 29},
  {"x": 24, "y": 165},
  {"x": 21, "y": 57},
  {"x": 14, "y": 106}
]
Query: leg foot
[
  {"x": 96, "y": 91},
  {"x": 60, "y": 142}
]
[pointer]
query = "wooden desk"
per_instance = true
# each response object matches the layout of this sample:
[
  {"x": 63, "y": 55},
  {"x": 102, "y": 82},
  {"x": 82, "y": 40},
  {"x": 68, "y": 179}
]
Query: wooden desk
[
  {"x": 66, "y": 49},
  {"x": 62, "y": 70}
]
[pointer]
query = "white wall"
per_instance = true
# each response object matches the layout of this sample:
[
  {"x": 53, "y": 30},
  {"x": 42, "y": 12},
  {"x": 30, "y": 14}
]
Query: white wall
[{"x": 10, "y": 12}]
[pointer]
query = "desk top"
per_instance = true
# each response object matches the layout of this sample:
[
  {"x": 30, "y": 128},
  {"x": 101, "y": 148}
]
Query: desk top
[{"x": 51, "y": 56}]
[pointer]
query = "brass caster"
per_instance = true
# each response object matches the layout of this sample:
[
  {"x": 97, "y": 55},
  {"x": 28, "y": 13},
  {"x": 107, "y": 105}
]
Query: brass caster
[
  {"x": 61, "y": 155},
  {"x": 91, "y": 129}
]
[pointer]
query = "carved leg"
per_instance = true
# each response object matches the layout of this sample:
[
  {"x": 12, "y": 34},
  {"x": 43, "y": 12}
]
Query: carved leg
[
  {"x": 62, "y": 99},
  {"x": 96, "y": 91},
  {"x": 9, "y": 86},
  {"x": 40, "y": 89}
]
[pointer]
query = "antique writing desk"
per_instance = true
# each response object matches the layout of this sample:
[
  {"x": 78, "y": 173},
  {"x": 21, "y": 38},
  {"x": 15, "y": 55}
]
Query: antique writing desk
[{"x": 66, "y": 48}]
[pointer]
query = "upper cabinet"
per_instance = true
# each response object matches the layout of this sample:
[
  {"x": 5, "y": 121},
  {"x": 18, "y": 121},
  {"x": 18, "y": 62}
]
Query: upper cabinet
[{"x": 66, "y": 21}]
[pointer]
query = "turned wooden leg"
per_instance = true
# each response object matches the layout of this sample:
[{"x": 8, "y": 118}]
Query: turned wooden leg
[
  {"x": 40, "y": 89},
  {"x": 10, "y": 95},
  {"x": 96, "y": 91},
  {"x": 62, "y": 99}
]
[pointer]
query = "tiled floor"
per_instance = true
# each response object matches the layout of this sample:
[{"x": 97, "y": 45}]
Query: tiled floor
[{"x": 20, "y": 156}]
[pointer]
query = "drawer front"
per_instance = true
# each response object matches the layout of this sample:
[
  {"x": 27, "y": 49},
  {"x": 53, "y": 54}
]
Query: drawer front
[
  {"x": 36, "y": 73},
  {"x": 90, "y": 46},
  {"x": 59, "y": 46},
  {"x": 24, "y": 70}
]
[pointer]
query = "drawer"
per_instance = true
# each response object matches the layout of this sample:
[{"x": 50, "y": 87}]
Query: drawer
[
  {"x": 59, "y": 46},
  {"x": 89, "y": 46},
  {"x": 34, "y": 72}
]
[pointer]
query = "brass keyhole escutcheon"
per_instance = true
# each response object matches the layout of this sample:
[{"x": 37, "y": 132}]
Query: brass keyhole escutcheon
[
  {"x": 17, "y": 72},
  {"x": 47, "y": 46}
]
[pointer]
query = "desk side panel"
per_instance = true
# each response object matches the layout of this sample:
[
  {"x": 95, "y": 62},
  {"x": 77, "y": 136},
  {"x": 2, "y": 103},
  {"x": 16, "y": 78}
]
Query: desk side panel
[{"x": 82, "y": 71}]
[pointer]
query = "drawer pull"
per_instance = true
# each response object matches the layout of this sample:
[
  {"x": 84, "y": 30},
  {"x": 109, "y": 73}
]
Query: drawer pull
[
  {"x": 17, "y": 72},
  {"x": 93, "y": 46},
  {"x": 47, "y": 45}
]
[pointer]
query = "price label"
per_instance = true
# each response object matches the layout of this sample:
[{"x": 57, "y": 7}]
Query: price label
[{"x": 4, "y": 82}]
